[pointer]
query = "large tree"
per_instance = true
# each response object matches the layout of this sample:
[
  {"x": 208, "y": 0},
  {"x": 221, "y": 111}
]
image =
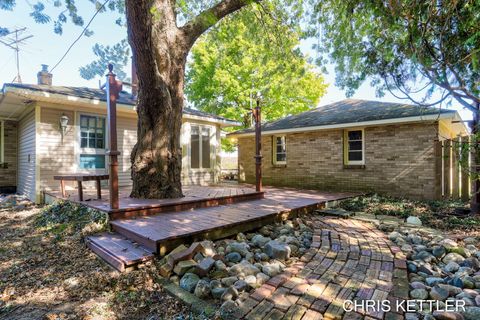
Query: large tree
[
  {"x": 248, "y": 53},
  {"x": 161, "y": 34}
]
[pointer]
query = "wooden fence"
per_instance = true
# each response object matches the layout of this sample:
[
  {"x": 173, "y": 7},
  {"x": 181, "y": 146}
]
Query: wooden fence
[{"x": 452, "y": 165}]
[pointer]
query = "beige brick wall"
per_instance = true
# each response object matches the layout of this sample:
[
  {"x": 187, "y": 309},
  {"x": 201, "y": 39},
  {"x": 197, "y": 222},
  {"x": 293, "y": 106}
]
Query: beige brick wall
[{"x": 399, "y": 161}]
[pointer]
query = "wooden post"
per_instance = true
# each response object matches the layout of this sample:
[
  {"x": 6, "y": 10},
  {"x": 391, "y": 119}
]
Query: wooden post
[
  {"x": 113, "y": 90},
  {"x": 258, "y": 146},
  {"x": 455, "y": 168},
  {"x": 437, "y": 151}
]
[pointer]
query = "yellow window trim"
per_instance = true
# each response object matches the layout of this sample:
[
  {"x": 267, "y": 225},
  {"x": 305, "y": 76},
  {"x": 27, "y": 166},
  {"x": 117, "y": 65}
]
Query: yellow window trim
[{"x": 345, "y": 147}]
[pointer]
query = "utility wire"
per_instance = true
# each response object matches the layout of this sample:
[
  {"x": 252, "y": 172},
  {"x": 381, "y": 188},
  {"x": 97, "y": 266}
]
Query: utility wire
[{"x": 80, "y": 35}]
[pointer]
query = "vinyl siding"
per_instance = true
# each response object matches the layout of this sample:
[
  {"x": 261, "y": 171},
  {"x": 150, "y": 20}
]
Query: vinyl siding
[{"x": 26, "y": 156}]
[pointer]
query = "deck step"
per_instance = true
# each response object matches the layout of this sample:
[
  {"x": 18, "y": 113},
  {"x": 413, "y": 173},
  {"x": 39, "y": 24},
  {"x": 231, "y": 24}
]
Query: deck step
[{"x": 118, "y": 251}]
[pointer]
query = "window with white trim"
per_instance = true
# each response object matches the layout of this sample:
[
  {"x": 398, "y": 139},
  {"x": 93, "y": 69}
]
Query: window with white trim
[
  {"x": 279, "y": 150},
  {"x": 200, "y": 148},
  {"x": 92, "y": 142},
  {"x": 354, "y": 147}
]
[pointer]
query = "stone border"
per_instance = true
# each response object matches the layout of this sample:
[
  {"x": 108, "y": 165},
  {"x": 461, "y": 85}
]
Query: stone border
[{"x": 197, "y": 305}]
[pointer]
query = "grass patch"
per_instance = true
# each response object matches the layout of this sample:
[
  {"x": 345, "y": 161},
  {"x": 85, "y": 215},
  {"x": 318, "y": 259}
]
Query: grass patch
[
  {"x": 63, "y": 218},
  {"x": 432, "y": 213}
]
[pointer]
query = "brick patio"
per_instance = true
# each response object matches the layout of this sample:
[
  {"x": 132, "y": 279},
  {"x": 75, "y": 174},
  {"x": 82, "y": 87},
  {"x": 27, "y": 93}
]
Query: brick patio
[{"x": 348, "y": 260}]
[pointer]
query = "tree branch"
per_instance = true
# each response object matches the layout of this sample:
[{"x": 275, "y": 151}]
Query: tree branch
[{"x": 206, "y": 19}]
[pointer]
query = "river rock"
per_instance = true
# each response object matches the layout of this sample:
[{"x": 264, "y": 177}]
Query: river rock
[
  {"x": 228, "y": 310},
  {"x": 259, "y": 240},
  {"x": 439, "y": 251},
  {"x": 413, "y": 220},
  {"x": 272, "y": 269},
  {"x": 240, "y": 285},
  {"x": 219, "y": 265},
  {"x": 451, "y": 267},
  {"x": 471, "y": 313},
  {"x": 438, "y": 293},
  {"x": 262, "y": 278},
  {"x": 183, "y": 266},
  {"x": 240, "y": 247},
  {"x": 233, "y": 257},
  {"x": 444, "y": 315},
  {"x": 202, "y": 290},
  {"x": 419, "y": 294},
  {"x": 277, "y": 250},
  {"x": 431, "y": 281},
  {"x": 244, "y": 269},
  {"x": 189, "y": 281},
  {"x": 230, "y": 294},
  {"x": 452, "y": 256}
]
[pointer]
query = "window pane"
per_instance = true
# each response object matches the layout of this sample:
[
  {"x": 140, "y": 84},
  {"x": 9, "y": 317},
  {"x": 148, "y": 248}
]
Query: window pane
[
  {"x": 281, "y": 149},
  {"x": 83, "y": 143},
  {"x": 101, "y": 123},
  {"x": 355, "y": 156},
  {"x": 100, "y": 144},
  {"x": 195, "y": 145},
  {"x": 281, "y": 157},
  {"x": 83, "y": 121},
  {"x": 205, "y": 148},
  {"x": 92, "y": 161},
  {"x": 92, "y": 122},
  {"x": 355, "y": 145},
  {"x": 355, "y": 135}
]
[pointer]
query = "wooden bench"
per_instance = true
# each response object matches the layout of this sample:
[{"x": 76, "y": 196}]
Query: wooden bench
[{"x": 80, "y": 178}]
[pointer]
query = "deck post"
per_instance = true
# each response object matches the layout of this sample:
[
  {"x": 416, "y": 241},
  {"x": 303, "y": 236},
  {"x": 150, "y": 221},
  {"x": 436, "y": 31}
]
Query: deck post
[
  {"x": 257, "y": 115},
  {"x": 113, "y": 90}
]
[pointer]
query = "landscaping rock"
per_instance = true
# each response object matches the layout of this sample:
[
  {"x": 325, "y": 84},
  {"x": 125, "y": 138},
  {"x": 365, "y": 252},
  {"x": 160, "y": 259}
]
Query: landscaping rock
[
  {"x": 438, "y": 293},
  {"x": 202, "y": 290},
  {"x": 218, "y": 292},
  {"x": 471, "y": 313},
  {"x": 240, "y": 247},
  {"x": 419, "y": 294},
  {"x": 244, "y": 269},
  {"x": 219, "y": 265},
  {"x": 229, "y": 281},
  {"x": 260, "y": 241},
  {"x": 240, "y": 285},
  {"x": 251, "y": 281},
  {"x": 183, "y": 266},
  {"x": 233, "y": 257},
  {"x": 451, "y": 267},
  {"x": 452, "y": 256},
  {"x": 444, "y": 315},
  {"x": 439, "y": 251},
  {"x": 414, "y": 221},
  {"x": 230, "y": 294},
  {"x": 262, "y": 278},
  {"x": 204, "y": 267},
  {"x": 189, "y": 281},
  {"x": 431, "y": 281},
  {"x": 228, "y": 310},
  {"x": 277, "y": 250},
  {"x": 272, "y": 269}
]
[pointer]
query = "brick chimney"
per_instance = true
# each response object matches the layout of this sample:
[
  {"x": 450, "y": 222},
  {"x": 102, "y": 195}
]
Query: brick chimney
[{"x": 44, "y": 77}]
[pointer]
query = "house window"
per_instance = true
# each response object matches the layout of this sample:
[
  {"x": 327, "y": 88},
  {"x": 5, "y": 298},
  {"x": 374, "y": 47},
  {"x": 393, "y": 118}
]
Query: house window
[
  {"x": 279, "y": 150},
  {"x": 200, "y": 155},
  {"x": 92, "y": 142},
  {"x": 354, "y": 147}
]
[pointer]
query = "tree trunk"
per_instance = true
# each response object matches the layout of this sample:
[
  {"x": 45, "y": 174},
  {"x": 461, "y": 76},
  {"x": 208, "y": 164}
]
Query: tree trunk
[{"x": 159, "y": 52}]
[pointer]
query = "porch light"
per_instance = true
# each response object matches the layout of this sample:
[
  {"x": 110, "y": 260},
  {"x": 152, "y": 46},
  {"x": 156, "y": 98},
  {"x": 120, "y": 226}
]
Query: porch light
[{"x": 63, "y": 125}]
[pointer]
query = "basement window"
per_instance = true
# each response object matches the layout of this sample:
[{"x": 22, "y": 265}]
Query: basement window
[
  {"x": 279, "y": 150},
  {"x": 354, "y": 147}
]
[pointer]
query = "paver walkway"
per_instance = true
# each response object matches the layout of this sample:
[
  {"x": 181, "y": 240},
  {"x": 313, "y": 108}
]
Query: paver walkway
[{"x": 348, "y": 260}]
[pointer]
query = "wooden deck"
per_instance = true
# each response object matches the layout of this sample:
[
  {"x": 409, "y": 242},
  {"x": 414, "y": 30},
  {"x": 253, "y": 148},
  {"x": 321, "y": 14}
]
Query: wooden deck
[{"x": 195, "y": 197}]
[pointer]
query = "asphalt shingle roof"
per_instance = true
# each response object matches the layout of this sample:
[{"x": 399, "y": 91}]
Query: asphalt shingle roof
[
  {"x": 347, "y": 111},
  {"x": 99, "y": 94}
]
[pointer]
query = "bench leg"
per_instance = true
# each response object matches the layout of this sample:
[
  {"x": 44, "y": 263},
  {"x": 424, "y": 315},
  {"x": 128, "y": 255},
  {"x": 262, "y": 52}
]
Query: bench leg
[
  {"x": 80, "y": 190},
  {"x": 99, "y": 190},
  {"x": 62, "y": 188}
]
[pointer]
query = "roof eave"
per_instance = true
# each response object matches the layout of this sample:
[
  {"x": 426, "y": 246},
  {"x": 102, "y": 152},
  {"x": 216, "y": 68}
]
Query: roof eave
[{"x": 445, "y": 115}]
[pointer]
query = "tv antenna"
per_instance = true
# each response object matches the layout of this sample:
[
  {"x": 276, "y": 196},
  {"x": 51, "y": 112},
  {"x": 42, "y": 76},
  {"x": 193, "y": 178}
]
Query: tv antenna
[{"x": 12, "y": 40}]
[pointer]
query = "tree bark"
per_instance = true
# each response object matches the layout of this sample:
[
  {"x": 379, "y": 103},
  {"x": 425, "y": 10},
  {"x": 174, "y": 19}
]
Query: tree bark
[{"x": 160, "y": 50}]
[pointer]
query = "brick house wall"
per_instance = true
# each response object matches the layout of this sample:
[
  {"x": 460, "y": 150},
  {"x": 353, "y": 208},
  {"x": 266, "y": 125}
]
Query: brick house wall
[{"x": 399, "y": 161}]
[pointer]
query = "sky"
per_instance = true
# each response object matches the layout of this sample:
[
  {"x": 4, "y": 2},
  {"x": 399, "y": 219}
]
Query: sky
[{"x": 46, "y": 47}]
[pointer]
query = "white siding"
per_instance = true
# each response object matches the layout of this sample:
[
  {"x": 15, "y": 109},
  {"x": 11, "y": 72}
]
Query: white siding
[
  {"x": 26, "y": 156},
  {"x": 126, "y": 137}
]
